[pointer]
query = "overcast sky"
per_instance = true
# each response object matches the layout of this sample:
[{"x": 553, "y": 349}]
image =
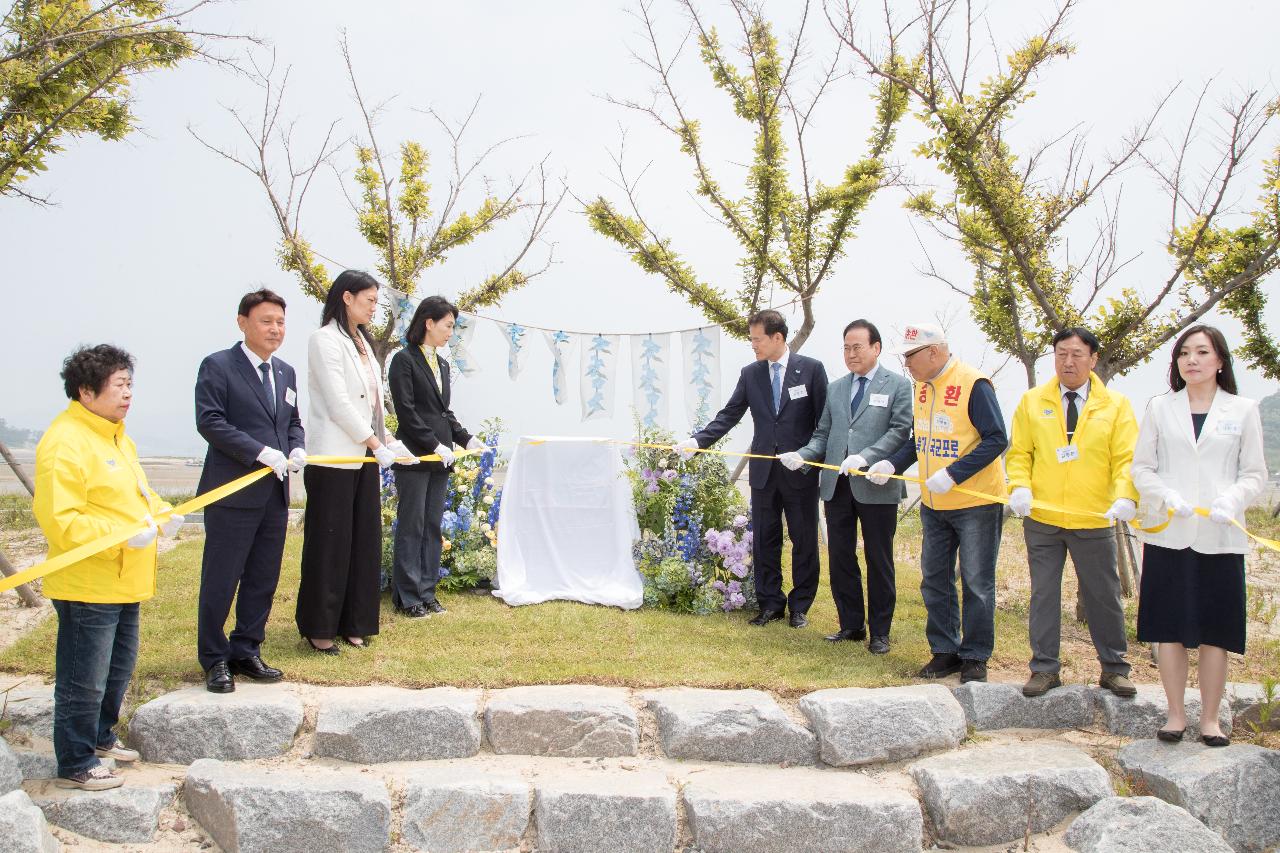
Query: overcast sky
[{"x": 151, "y": 242}]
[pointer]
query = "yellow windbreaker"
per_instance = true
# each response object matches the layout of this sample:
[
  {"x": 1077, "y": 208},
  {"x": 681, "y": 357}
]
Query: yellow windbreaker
[
  {"x": 1105, "y": 436},
  {"x": 88, "y": 483}
]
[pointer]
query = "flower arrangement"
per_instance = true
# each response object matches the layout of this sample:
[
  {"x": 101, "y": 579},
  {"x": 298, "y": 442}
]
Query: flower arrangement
[{"x": 695, "y": 547}]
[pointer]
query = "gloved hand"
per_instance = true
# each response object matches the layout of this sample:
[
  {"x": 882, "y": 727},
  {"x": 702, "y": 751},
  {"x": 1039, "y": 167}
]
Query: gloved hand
[
  {"x": 171, "y": 527},
  {"x": 385, "y": 455},
  {"x": 403, "y": 454},
  {"x": 1181, "y": 509},
  {"x": 940, "y": 483},
  {"x": 1020, "y": 501},
  {"x": 1222, "y": 511},
  {"x": 477, "y": 444},
  {"x": 791, "y": 460},
  {"x": 1123, "y": 510},
  {"x": 275, "y": 460},
  {"x": 686, "y": 448},
  {"x": 878, "y": 474},
  {"x": 446, "y": 454},
  {"x": 297, "y": 459},
  {"x": 146, "y": 537},
  {"x": 852, "y": 462}
]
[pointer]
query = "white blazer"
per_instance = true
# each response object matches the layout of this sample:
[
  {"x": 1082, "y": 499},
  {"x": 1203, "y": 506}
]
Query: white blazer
[
  {"x": 340, "y": 412},
  {"x": 1227, "y": 461}
]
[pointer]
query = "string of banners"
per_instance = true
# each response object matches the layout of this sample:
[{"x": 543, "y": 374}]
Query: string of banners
[{"x": 599, "y": 356}]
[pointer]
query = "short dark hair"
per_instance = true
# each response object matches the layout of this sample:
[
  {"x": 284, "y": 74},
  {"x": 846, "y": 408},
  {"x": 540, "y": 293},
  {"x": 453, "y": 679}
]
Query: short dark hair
[
  {"x": 873, "y": 334},
  {"x": 1226, "y": 376},
  {"x": 1089, "y": 338},
  {"x": 252, "y": 300},
  {"x": 432, "y": 308},
  {"x": 91, "y": 367},
  {"x": 348, "y": 281},
  {"x": 774, "y": 323}
]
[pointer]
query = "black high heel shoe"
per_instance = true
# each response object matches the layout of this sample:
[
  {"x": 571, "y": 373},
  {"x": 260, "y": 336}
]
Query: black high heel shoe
[
  {"x": 1170, "y": 735},
  {"x": 1215, "y": 740},
  {"x": 332, "y": 650}
]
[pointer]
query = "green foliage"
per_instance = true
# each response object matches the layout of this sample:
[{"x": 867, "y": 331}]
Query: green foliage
[
  {"x": 65, "y": 71},
  {"x": 14, "y": 437},
  {"x": 667, "y": 587}
]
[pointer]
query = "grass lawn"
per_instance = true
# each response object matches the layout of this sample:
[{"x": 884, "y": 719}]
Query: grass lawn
[{"x": 482, "y": 642}]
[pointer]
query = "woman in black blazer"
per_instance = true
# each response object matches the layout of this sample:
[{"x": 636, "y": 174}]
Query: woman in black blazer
[{"x": 419, "y": 383}]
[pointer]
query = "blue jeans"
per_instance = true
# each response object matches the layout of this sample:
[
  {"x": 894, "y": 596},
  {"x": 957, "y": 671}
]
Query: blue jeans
[
  {"x": 973, "y": 534},
  {"x": 96, "y": 653}
]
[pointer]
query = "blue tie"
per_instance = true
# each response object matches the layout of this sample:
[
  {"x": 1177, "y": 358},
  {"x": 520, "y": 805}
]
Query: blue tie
[
  {"x": 857, "y": 397},
  {"x": 777, "y": 386},
  {"x": 265, "y": 368}
]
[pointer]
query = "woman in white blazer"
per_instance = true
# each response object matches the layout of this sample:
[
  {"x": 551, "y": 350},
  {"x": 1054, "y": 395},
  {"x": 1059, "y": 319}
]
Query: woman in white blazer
[
  {"x": 1199, "y": 446},
  {"x": 342, "y": 528}
]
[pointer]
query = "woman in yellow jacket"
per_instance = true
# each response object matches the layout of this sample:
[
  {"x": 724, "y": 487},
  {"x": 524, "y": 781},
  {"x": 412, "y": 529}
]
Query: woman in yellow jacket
[{"x": 88, "y": 484}]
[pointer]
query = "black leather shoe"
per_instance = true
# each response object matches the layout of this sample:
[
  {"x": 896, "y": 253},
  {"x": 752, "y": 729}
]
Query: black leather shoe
[
  {"x": 217, "y": 679},
  {"x": 940, "y": 666},
  {"x": 764, "y": 617},
  {"x": 973, "y": 670},
  {"x": 797, "y": 620},
  {"x": 331, "y": 650},
  {"x": 256, "y": 669},
  {"x": 413, "y": 611},
  {"x": 878, "y": 646},
  {"x": 1215, "y": 740},
  {"x": 435, "y": 608},
  {"x": 846, "y": 635}
]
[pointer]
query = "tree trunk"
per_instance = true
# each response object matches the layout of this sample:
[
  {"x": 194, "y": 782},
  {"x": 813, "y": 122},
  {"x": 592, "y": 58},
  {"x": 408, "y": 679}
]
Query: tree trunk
[
  {"x": 1030, "y": 366},
  {"x": 17, "y": 469},
  {"x": 1122, "y": 562},
  {"x": 28, "y": 596}
]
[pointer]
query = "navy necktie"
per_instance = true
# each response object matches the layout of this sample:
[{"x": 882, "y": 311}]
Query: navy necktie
[
  {"x": 777, "y": 386},
  {"x": 265, "y": 369},
  {"x": 857, "y": 397}
]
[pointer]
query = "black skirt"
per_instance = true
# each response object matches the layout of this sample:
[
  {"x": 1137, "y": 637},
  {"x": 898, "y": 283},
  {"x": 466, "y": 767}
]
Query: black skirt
[{"x": 1192, "y": 598}]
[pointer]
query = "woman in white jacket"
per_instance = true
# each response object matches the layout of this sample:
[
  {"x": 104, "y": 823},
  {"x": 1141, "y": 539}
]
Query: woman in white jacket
[
  {"x": 1200, "y": 446},
  {"x": 342, "y": 528}
]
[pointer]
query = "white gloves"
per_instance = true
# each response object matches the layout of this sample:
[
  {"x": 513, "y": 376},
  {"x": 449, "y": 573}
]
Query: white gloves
[
  {"x": 275, "y": 460},
  {"x": 1020, "y": 501},
  {"x": 1181, "y": 509},
  {"x": 446, "y": 453},
  {"x": 852, "y": 463},
  {"x": 403, "y": 454},
  {"x": 477, "y": 444},
  {"x": 686, "y": 448},
  {"x": 791, "y": 460},
  {"x": 940, "y": 483},
  {"x": 1222, "y": 511},
  {"x": 878, "y": 474},
  {"x": 171, "y": 527},
  {"x": 385, "y": 455},
  {"x": 1123, "y": 510},
  {"x": 297, "y": 459},
  {"x": 146, "y": 537}
]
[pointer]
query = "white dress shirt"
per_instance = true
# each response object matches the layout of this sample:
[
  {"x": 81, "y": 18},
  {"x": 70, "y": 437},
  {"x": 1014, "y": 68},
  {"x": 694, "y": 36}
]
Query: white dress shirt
[
  {"x": 869, "y": 375},
  {"x": 257, "y": 368}
]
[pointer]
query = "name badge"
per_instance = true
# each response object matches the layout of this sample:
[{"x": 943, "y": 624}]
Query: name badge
[
  {"x": 795, "y": 392},
  {"x": 1069, "y": 453},
  {"x": 290, "y": 398},
  {"x": 1048, "y": 413},
  {"x": 942, "y": 422},
  {"x": 1229, "y": 427},
  {"x": 880, "y": 400}
]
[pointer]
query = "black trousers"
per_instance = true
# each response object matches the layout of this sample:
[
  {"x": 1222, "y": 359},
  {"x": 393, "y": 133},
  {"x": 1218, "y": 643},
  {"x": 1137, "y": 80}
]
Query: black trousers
[
  {"x": 879, "y": 524},
  {"x": 341, "y": 553},
  {"x": 416, "y": 569},
  {"x": 799, "y": 505},
  {"x": 242, "y": 548}
]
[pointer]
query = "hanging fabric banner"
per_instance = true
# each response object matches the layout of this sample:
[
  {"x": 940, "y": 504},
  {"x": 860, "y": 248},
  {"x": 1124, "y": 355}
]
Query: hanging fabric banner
[
  {"x": 514, "y": 333},
  {"x": 402, "y": 308},
  {"x": 460, "y": 343},
  {"x": 651, "y": 375},
  {"x": 558, "y": 342},
  {"x": 701, "y": 350},
  {"x": 599, "y": 366}
]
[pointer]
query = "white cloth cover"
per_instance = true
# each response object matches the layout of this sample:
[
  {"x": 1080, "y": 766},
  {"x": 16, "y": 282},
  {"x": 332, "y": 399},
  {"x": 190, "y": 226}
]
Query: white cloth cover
[
  {"x": 651, "y": 375},
  {"x": 701, "y": 374},
  {"x": 568, "y": 522}
]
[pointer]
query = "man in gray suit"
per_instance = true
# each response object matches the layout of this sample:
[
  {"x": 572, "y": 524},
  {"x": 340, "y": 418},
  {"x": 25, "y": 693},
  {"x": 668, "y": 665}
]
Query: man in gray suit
[{"x": 867, "y": 418}]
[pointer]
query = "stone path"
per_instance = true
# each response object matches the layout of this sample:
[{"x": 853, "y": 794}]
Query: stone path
[{"x": 583, "y": 768}]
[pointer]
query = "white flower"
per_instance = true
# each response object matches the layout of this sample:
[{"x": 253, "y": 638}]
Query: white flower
[
  {"x": 662, "y": 463},
  {"x": 486, "y": 527},
  {"x": 488, "y": 481},
  {"x": 488, "y": 499}
]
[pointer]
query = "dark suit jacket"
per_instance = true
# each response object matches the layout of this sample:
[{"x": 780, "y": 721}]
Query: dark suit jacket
[
  {"x": 422, "y": 408},
  {"x": 790, "y": 429},
  {"x": 232, "y": 415}
]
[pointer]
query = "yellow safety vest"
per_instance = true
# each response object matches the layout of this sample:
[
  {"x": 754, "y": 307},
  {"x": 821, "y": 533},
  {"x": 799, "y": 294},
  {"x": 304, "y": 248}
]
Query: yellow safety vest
[{"x": 944, "y": 434}]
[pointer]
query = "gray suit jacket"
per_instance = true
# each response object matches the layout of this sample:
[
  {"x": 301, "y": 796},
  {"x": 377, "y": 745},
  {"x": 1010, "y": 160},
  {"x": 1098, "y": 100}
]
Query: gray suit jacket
[{"x": 877, "y": 432}]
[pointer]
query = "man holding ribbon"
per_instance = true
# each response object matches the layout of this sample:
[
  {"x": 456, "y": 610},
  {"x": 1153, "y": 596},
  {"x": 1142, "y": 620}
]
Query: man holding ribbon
[
  {"x": 959, "y": 436},
  {"x": 247, "y": 409},
  {"x": 786, "y": 394},
  {"x": 1072, "y": 446}
]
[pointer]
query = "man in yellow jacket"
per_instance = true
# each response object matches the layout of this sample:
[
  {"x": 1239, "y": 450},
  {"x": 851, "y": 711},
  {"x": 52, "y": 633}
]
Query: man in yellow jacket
[
  {"x": 88, "y": 484},
  {"x": 1073, "y": 441}
]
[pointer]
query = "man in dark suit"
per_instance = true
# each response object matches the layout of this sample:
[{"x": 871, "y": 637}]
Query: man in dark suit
[
  {"x": 247, "y": 409},
  {"x": 786, "y": 394},
  {"x": 867, "y": 418}
]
